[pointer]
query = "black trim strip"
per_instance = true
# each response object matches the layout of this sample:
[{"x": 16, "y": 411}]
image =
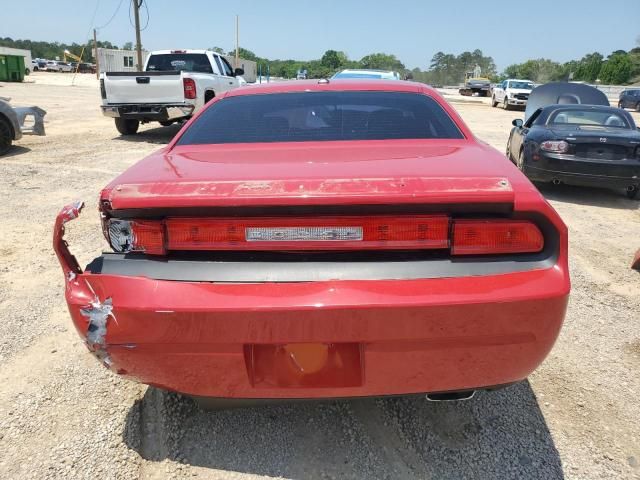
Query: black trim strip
[{"x": 159, "y": 73}]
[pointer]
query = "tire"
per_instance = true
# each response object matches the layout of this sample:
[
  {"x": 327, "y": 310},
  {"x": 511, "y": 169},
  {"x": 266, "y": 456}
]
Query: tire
[
  {"x": 508, "y": 151},
  {"x": 127, "y": 126},
  {"x": 493, "y": 102},
  {"x": 505, "y": 104},
  {"x": 35, "y": 69},
  {"x": 6, "y": 136},
  {"x": 208, "y": 96},
  {"x": 166, "y": 124},
  {"x": 631, "y": 194}
]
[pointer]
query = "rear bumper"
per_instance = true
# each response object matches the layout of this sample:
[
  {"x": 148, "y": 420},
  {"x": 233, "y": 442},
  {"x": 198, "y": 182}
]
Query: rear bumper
[
  {"x": 629, "y": 177},
  {"x": 148, "y": 112},
  {"x": 317, "y": 339},
  {"x": 410, "y": 336}
]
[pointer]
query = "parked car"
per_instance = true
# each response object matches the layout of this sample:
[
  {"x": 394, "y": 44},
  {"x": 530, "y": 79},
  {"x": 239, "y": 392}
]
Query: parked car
[
  {"x": 301, "y": 74},
  {"x": 511, "y": 93},
  {"x": 174, "y": 85},
  {"x": 571, "y": 135},
  {"x": 35, "y": 65},
  {"x": 57, "y": 66},
  {"x": 630, "y": 98},
  {"x": 322, "y": 239},
  {"x": 367, "y": 74},
  {"x": 13, "y": 125}
]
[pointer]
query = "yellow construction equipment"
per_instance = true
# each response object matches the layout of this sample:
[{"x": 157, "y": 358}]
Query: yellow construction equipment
[{"x": 67, "y": 53}]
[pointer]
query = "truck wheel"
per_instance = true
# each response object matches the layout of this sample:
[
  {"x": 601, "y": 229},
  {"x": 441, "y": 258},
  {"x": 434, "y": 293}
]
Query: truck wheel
[
  {"x": 505, "y": 104},
  {"x": 493, "y": 102},
  {"x": 6, "y": 136},
  {"x": 167, "y": 123},
  {"x": 632, "y": 193},
  {"x": 127, "y": 126}
]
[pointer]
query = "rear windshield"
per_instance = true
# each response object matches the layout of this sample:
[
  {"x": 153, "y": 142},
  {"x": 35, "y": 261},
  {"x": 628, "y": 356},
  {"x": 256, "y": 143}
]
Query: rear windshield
[
  {"x": 321, "y": 116},
  {"x": 188, "y": 62},
  {"x": 588, "y": 117}
]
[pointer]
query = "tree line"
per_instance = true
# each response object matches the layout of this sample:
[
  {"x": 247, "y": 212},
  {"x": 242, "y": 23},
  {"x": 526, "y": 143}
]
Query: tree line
[{"x": 619, "y": 67}]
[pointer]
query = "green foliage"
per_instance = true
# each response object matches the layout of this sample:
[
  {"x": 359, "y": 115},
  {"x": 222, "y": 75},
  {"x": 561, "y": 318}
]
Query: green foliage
[
  {"x": 51, "y": 50},
  {"x": 617, "y": 69},
  {"x": 589, "y": 67},
  {"x": 381, "y": 61},
  {"x": 128, "y": 46}
]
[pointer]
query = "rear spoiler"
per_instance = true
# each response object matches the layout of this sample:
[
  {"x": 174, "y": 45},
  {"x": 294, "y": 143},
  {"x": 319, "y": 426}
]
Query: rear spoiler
[{"x": 378, "y": 191}]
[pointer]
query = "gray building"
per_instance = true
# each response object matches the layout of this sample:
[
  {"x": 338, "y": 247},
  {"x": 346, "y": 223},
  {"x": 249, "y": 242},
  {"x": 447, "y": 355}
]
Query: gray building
[{"x": 112, "y": 60}]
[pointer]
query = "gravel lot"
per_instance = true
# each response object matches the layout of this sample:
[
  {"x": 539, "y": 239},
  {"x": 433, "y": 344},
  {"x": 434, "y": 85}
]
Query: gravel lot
[{"x": 63, "y": 415}]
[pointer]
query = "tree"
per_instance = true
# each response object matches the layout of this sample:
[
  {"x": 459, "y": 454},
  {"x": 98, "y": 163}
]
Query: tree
[
  {"x": 128, "y": 46},
  {"x": 331, "y": 59},
  {"x": 616, "y": 70},
  {"x": 381, "y": 61},
  {"x": 219, "y": 50},
  {"x": 589, "y": 67}
]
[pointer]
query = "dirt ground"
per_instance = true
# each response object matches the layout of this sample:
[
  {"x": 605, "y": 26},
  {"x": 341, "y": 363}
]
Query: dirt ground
[{"x": 64, "y": 415}]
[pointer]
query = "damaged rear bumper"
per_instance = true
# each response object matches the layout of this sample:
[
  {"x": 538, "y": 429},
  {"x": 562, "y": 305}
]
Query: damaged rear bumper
[{"x": 318, "y": 339}]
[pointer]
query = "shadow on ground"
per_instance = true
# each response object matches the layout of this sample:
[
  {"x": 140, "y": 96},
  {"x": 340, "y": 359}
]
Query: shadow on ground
[
  {"x": 15, "y": 150},
  {"x": 498, "y": 434},
  {"x": 597, "y": 197},
  {"x": 159, "y": 135}
]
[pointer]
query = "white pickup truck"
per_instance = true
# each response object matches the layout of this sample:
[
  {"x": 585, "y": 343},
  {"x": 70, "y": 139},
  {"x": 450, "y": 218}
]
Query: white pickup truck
[
  {"x": 174, "y": 84},
  {"x": 511, "y": 93}
]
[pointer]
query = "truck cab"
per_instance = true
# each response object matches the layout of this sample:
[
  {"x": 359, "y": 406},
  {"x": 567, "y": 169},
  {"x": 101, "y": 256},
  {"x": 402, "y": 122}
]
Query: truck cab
[{"x": 173, "y": 86}]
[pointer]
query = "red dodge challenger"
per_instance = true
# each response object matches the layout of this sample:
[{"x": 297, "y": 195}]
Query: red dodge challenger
[{"x": 322, "y": 239}]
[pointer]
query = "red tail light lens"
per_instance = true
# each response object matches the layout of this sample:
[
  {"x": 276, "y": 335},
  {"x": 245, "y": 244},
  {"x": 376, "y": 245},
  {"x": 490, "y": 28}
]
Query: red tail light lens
[
  {"x": 320, "y": 233},
  {"x": 189, "y": 88},
  {"x": 481, "y": 237},
  {"x": 137, "y": 236}
]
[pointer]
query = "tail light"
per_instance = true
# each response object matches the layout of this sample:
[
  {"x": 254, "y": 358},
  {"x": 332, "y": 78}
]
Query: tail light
[
  {"x": 481, "y": 237},
  {"x": 554, "y": 146},
  {"x": 339, "y": 233},
  {"x": 137, "y": 236},
  {"x": 422, "y": 232},
  {"x": 189, "y": 88}
]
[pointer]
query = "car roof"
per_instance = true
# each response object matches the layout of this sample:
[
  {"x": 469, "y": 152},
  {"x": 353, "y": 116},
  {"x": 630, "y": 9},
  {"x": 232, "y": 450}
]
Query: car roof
[
  {"x": 336, "y": 85},
  {"x": 179, "y": 50}
]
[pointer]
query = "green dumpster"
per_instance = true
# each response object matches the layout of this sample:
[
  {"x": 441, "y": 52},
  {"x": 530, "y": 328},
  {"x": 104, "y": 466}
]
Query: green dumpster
[{"x": 11, "y": 68}]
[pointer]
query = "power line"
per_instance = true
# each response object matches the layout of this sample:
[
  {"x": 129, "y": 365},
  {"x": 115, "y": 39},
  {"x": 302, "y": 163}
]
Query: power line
[{"x": 112, "y": 16}]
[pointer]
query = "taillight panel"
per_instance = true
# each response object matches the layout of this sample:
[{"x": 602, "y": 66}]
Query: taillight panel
[
  {"x": 403, "y": 232},
  {"x": 484, "y": 237},
  {"x": 189, "y": 85}
]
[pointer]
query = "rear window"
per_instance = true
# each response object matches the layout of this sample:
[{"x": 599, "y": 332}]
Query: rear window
[
  {"x": 188, "y": 62},
  {"x": 321, "y": 116},
  {"x": 589, "y": 118}
]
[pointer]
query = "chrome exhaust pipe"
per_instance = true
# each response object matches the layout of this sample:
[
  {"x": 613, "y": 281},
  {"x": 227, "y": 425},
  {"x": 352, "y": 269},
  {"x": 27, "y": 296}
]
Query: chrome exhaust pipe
[
  {"x": 555, "y": 181},
  {"x": 450, "y": 396}
]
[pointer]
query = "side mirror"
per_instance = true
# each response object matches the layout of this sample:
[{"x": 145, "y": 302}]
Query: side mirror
[
  {"x": 238, "y": 71},
  {"x": 517, "y": 122}
]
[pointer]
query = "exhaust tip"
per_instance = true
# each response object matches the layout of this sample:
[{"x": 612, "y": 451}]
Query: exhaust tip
[{"x": 450, "y": 396}]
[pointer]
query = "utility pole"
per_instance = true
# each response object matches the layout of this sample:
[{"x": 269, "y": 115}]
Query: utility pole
[
  {"x": 237, "y": 41},
  {"x": 95, "y": 50},
  {"x": 136, "y": 13}
]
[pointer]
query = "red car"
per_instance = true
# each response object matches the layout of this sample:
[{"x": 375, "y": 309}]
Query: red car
[{"x": 322, "y": 239}]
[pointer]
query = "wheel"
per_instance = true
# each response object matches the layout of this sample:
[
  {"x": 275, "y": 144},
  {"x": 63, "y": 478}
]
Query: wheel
[
  {"x": 508, "y": 150},
  {"x": 493, "y": 102},
  {"x": 505, "y": 104},
  {"x": 6, "y": 136},
  {"x": 127, "y": 126},
  {"x": 35, "y": 69},
  {"x": 166, "y": 124},
  {"x": 632, "y": 193},
  {"x": 27, "y": 71}
]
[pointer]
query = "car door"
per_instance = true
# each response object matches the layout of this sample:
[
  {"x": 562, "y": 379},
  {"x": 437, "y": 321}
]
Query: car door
[{"x": 229, "y": 80}]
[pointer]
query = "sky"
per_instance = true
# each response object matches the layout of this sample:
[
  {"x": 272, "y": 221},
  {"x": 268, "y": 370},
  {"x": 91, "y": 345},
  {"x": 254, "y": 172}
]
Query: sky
[{"x": 509, "y": 31}]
